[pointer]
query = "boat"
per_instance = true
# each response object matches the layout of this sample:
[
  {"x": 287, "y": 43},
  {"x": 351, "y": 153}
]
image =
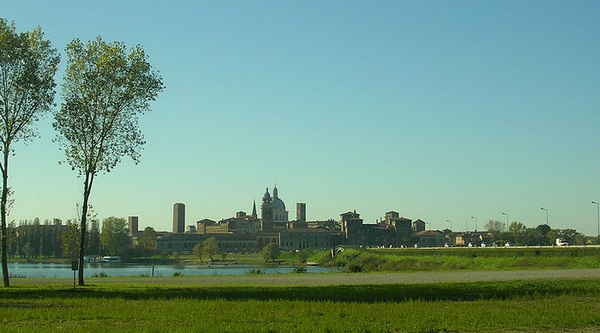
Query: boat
[{"x": 111, "y": 259}]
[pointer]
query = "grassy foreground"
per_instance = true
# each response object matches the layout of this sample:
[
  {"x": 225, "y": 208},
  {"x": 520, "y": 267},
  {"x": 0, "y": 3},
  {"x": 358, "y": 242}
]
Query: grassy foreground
[{"x": 500, "y": 306}]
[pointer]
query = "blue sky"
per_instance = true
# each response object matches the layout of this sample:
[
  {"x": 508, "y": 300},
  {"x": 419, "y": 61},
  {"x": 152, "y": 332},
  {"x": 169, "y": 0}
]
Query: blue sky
[{"x": 439, "y": 110}]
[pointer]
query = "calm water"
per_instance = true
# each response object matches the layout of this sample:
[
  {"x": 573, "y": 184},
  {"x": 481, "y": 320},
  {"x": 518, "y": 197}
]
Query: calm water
[{"x": 48, "y": 270}]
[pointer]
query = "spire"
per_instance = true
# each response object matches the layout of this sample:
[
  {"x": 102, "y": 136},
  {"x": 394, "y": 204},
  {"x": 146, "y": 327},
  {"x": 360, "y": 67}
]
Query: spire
[
  {"x": 254, "y": 209},
  {"x": 275, "y": 191}
]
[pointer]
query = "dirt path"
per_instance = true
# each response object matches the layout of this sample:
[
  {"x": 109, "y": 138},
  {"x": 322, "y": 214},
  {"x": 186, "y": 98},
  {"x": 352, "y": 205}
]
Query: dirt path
[{"x": 336, "y": 278}]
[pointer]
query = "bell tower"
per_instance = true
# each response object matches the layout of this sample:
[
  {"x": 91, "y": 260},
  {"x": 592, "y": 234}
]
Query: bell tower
[{"x": 266, "y": 212}]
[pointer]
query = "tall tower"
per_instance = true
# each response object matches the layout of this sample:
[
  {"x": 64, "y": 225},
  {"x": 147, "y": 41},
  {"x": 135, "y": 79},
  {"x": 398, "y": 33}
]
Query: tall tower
[
  {"x": 266, "y": 212},
  {"x": 178, "y": 218},
  {"x": 133, "y": 226},
  {"x": 301, "y": 212}
]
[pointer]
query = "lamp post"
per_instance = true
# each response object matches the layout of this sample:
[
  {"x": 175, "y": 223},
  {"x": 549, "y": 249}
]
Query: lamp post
[
  {"x": 473, "y": 217},
  {"x": 506, "y": 219},
  {"x": 598, "y": 206},
  {"x": 448, "y": 221},
  {"x": 546, "y": 215}
]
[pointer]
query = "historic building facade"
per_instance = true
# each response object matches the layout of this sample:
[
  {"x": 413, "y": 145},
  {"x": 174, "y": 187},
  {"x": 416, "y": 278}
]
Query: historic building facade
[
  {"x": 250, "y": 233},
  {"x": 273, "y": 213}
]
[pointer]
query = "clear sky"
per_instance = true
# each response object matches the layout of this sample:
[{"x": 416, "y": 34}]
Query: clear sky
[{"x": 439, "y": 110}]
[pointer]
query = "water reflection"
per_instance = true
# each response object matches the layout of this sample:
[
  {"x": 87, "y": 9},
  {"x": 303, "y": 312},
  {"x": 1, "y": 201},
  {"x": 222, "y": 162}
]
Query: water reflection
[{"x": 52, "y": 270}]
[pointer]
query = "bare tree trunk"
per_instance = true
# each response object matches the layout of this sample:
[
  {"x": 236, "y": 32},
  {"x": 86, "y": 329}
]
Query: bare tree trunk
[
  {"x": 87, "y": 189},
  {"x": 3, "y": 212}
]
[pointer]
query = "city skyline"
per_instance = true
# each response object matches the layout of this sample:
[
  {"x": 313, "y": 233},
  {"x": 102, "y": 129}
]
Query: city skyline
[{"x": 439, "y": 110}]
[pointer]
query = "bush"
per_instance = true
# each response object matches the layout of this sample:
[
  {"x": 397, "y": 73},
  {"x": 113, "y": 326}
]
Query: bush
[
  {"x": 354, "y": 268},
  {"x": 255, "y": 271},
  {"x": 300, "y": 269}
]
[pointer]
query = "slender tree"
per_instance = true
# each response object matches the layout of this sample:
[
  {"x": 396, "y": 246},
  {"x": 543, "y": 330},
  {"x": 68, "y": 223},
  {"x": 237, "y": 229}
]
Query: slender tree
[
  {"x": 70, "y": 240},
  {"x": 210, "y": 247},
  {"x": 28, "y": 64},
  {"x": 105, "y": 88},
  {"x": 198, "y": 251}
]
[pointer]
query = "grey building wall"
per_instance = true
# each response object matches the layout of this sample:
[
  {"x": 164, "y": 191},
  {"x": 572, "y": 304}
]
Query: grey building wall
[
  {"x": 133, "y": 223},
  {"x": 301, "y": 212}
]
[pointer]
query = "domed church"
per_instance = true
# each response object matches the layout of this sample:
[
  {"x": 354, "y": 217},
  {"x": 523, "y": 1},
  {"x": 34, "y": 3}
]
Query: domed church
[{"x": 273, "y": 213}]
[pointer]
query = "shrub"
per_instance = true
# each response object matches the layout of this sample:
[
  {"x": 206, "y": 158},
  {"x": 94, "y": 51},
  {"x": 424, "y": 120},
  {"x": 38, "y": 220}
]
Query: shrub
[
  {"x": 255, "y": 271},
  {"x": 300, "y": 269},
  {"x": 354, "y": 268}
]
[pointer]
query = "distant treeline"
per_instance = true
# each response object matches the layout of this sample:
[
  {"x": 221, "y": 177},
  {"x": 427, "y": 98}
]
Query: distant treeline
[{"x": 55, "y": 239}]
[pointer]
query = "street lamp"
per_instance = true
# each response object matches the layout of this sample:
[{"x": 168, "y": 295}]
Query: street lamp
[
  {"x": 546, "y": 215},
  {"x": 506, "y": 219},
  {"x": 598, "y": 205},
  {"x": 473, "y": 217},
  {"x": 448, "y": 221}
]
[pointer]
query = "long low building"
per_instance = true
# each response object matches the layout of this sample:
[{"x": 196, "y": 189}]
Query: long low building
[{"x": 184, "y": 243}]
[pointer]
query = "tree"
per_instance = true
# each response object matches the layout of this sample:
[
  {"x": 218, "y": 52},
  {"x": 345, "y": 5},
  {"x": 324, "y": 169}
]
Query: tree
[
  {"x": 198, "y": 251},
  {"x": 114, "y": 235},
  {"x": 93, "y": 241},
  {"x": 545, "y": 229},
  {"x": 210, "y": 247},
  {"x": 105, "y": 89},
  {"x": 494, "y": 226},
  {"x": 70, "y": 240},
  {"x": 28, "y": 64},
  {"x": 13, "y": 238},
  {"x": 517, "y": 229},
  {"x": 571, "y": 236},
  {"x": 532, "y": 236},
  {"x": 271, "y": 252},
  {"x": 147, "y": 241},
  {"x": 36, "y": 240}
]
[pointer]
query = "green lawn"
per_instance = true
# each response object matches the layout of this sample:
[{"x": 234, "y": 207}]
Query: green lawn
[{"x": 517, "y": 306}]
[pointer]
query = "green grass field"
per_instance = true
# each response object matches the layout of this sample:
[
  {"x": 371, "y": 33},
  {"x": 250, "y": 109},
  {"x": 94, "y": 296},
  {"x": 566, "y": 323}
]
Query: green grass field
[
  {"x": 502, "y": 306},
  {"x": 451, "y": 290}
]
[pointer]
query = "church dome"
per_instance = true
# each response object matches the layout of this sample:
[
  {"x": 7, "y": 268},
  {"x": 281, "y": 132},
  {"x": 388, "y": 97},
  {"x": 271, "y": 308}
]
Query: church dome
[
  {"x": 278, "y": 203},
  {"x": 267, "y": 195}
]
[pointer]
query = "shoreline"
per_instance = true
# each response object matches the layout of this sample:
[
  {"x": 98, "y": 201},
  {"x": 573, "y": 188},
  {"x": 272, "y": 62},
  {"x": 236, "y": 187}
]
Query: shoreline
[{"x": 330, "y": 279}]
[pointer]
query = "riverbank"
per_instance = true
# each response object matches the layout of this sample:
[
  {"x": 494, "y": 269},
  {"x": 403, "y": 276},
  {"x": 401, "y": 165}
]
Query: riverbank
[
  {"x": 331, "y": 279},
  {"x": 506, "y": 301}
]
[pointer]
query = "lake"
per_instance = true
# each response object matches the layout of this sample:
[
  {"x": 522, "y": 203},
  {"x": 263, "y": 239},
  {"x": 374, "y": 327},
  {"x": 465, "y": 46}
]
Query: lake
[{"x": 52, "y": 270}]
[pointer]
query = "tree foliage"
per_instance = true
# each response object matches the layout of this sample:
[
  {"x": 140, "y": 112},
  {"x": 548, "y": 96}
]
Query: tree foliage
[
  {"x": 210, "y": 247},
  {"x": 271, "y": 252},
  {"x": 114, "y": 236},
  {"x": 198, "y": 251},
  {"x": 517, "y": 229},
  {"x": 105, "y": 88},
  {"x": 495, "y": 226},
  {"x": 70, "y": 239},
  {"x": 147, "y": 242},
  {"x": 544, "y": 229},
  {"x": 28, "y": 64}
]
